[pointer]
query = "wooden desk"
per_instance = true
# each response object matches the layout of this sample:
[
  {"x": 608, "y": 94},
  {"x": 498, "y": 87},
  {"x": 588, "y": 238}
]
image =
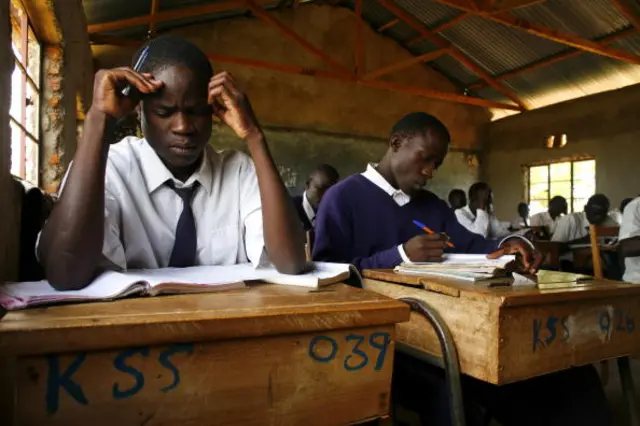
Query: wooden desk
[
  {"x": 264, "y": 355},
  {"x": 506, "y": 334}
]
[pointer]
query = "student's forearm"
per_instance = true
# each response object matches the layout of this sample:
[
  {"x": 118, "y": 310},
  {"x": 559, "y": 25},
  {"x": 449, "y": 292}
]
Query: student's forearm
[
  {"x": 283, "y": 233},
  {"x": 630, "y": 247},
  {"x": 71, "y": 243}
]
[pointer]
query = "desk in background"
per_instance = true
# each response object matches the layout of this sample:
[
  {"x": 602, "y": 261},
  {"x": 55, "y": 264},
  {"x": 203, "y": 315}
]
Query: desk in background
[
  {"x": 264, "y": 355},
  {"x": 506, "y": 334}
]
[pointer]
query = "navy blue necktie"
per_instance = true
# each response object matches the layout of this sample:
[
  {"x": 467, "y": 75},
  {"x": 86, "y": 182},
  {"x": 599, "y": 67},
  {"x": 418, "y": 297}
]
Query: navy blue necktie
[{"x": 186, "y": 243}]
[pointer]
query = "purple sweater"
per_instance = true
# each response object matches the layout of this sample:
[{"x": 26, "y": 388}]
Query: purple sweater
[{"x": 359, "y": 223}]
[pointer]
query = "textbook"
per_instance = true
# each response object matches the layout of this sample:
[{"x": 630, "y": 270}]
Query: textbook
[
  {"x": 468, "y": 267},
  {"x": 113, "y": 285}
]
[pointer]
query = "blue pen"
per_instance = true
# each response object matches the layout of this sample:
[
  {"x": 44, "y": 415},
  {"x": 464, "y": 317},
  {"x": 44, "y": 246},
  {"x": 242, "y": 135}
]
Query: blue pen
[
  {"x": 429, "y": 231},
  {"x": 137, "y": 67}
]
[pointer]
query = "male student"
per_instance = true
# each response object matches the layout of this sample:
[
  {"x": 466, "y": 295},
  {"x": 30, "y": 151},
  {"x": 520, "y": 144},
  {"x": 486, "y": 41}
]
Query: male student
[
  {"x": 169, "y": 199},
  {"x": 629, "y": 247},
  {"x": 478, "y": 216},
  {"x": 522, "y": 221},
  {"x": 574, "y": 228},
  {"x": 321, "y": 178},
  {"x": 367, "y": 220},
  {"x": 549, "y": 219},
  {"x": 457, "y": 199}
]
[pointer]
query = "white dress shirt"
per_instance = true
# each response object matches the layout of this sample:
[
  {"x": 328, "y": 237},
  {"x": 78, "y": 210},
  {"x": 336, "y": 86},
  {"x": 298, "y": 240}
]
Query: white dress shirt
[
  {"x": 308, "y": 209},
  {"x": 544, "y": 219},
  {"x": 401, "y": 198},
  {"x": 141, "y": 211},
  {"x": 575, "y": 226},
  {"x": 631, "y": 228},
  {"x": 482, "y": 223}
]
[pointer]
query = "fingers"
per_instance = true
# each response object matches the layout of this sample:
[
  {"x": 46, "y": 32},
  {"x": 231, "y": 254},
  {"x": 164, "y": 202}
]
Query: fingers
[
  {"x": 497, "y": 254},
  {"x": 144, "y": 83},
  {"x": 223, "y": 84}
]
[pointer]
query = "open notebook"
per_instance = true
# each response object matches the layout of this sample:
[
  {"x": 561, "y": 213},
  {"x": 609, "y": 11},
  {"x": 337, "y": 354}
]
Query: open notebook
[
  {"x": 468, "y": 267},
  {"x": 198, "y": 279}
]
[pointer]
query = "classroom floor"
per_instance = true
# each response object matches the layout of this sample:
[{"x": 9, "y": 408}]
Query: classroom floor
[{"x": 614, "y": 391}]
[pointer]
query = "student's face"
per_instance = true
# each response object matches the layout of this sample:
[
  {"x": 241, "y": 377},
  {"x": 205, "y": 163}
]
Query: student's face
[
  {"x": 524, "y": 211},
  {"x": 458, "y": 200},
  {"x": 416, "y": 159},
  {"x": 177, "y": 121},
  {"x": 596, "y": 214},
  {"x": 318, "y": 185}
]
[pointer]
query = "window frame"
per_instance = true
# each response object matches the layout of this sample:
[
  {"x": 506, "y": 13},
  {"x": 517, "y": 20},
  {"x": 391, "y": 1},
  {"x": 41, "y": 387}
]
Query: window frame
[
  {"x": 23, "y": 65},
  {"x": 571, "y": 161}
]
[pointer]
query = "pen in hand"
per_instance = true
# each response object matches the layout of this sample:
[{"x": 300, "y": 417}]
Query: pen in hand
[
  {"x": 429, "y": 231},
  {"x": 137, "y": 67}
]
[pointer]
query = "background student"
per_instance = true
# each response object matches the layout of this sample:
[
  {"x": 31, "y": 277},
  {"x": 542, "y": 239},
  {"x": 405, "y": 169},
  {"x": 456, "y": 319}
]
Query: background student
[
  {"x": 629, "y": 247},
  {"x": 457, "y": 199},
  {"x": 168, "y": 199},
  {"x": 478, "y": 216},
  {"x": 550, "y": 218},
  {"x": 321, "y": 178},
  {"x": 522, "y": 221}
]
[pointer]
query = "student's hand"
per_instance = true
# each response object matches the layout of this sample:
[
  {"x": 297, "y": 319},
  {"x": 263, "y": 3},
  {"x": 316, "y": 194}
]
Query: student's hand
[
  {"x": 425, "y": 248},
  {"x": 232, "y": 106},
  {"x": 530, "y": 258},
  {"x": 108, "y": 86}
]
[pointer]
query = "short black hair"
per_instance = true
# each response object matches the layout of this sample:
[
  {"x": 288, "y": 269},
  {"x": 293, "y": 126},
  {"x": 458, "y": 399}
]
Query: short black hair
[
  {"x": 599, "y": 200},
  {"x": 417, "y": 123},
  {"x": 326, "y": 170},
  {"x": 522, "y": 205},
  {"x": 558, "y": 199},
  {"x": 170, "y": 50},
  {"x": 477, "y": 187},
  {"x": 624, "y": 204},
  {"x": 456, "y": 193}
]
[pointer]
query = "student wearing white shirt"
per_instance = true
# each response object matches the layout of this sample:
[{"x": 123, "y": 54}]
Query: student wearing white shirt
[
  {"x": 629, "y": 237},
  {"x": 320, "y": 180},
  {"x": 549, "y": 219},
  {"x": 168, "y": 199},
  {"x": 478, "y": 217},
  {"x": 522, "y": 221},
  {"x": 574, "y": 228}
]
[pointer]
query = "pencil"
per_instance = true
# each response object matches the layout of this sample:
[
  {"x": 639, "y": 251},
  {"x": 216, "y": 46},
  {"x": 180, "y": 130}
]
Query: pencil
[{"x": 429, "y": 231}]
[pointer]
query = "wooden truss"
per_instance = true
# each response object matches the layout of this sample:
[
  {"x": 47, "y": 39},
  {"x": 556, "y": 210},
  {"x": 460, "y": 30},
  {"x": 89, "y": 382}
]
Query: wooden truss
[{"x": 497, "y": 11}]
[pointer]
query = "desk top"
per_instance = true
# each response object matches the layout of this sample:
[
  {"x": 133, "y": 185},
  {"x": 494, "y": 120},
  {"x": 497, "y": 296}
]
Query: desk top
[
  {"x": 509, "y": 295},
  {"x": 259, "y": 310}
]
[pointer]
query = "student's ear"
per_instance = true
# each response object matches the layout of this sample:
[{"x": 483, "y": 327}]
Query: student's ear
[{"x": 395, "y": 142}]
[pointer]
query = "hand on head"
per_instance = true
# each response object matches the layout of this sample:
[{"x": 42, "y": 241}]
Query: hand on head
[
  {"x": 108, "y": 86},
  {"x": 232, "y": 106}
]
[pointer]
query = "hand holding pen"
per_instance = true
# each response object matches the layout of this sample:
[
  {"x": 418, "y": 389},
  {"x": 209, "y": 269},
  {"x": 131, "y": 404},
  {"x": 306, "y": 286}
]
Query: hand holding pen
[{"x": 427, "y": 247}]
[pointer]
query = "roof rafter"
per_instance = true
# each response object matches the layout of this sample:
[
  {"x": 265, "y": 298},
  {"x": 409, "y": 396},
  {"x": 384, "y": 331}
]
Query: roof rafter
[
  {"x": 627, "y": 12},
  {"x": 547, "y": 33},
  {"x": 439, "y": 28},
  {"x": 430, "y": 56},
  {"x": 457, "y": 54}
]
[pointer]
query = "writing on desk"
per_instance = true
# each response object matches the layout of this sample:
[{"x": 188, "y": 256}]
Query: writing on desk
[
  {"x": 326, "y": 349},
  {"x": 600, "y": 324},
  {"x": 61, "y": 379}
]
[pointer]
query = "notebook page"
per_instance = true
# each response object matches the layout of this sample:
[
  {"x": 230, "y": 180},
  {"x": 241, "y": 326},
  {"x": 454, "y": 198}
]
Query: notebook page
[
  {"x": 470, "y": 259},
  {"x": 319, "y": 274},
  {"x": 108, "y": 285}
]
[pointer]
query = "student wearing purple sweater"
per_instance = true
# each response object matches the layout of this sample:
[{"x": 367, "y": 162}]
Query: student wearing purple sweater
[{"x": 367, "y": 220}]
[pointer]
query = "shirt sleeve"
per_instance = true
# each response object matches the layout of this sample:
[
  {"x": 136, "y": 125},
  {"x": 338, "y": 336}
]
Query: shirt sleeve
[
  {"x": 562, "y": 234},
  {"x": 497, "y": 228},
  {"x": 478, "y": 226},
  {"x": 630, "y": 226},
  {"x": 464, "y": 240},
  {"x": 334, "y": 240},
  {"x": 251, "y": 214}
]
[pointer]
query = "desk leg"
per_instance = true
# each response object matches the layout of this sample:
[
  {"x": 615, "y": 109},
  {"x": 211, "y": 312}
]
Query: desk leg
[
  {"x": 450, "y": 355},
  {"x": 628, "y": 390}
]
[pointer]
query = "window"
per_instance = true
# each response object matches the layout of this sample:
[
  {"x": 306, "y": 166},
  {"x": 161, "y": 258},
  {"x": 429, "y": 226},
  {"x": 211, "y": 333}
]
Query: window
[
  {"x": 574, "y": 180},
  {"x": 24, "y": 113}
]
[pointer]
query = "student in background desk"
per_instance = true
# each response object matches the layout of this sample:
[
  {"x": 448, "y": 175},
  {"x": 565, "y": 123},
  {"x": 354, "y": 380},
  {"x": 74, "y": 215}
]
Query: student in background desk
[
  {"x": 522, "y": 221},
  {"x": 478, "y": 216},
  {"x": 629, "y": 247},
  {"x": 367, "y": 220},
  {"x": 321, "y": 178},
  {"x": 457, "y": 199},
  {"x": 169, "y": 199},
  {"x": 574, "y": 228},
  {"x": 549, "y": 219}
]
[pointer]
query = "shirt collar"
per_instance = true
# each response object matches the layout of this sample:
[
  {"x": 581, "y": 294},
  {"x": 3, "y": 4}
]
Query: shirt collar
[
  {"x": 308, "y": 208},
  {"x": 372, "y": 174},
  {"x": 156, "y": 173}
]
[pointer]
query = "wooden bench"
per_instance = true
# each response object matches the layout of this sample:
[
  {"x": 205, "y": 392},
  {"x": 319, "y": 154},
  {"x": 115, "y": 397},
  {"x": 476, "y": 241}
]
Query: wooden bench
[{"x": 259, "y": 356}]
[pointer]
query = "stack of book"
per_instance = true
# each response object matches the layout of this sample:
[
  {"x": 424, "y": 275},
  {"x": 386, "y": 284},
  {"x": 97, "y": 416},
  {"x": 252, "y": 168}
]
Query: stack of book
[{"x": 468, "y": 267}]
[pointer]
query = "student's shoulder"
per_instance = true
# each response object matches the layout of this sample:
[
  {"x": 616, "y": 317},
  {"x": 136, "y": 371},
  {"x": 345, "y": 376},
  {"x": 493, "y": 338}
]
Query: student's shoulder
[
  {"x": 346, "y": 189},
  {"x": 231, "y": 158},
  {"x": 432, "y": 198},
  {"x": 124, "y": 154}
]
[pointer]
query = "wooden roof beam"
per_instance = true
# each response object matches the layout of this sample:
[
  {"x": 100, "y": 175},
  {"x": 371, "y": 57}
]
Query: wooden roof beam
[
  {"x": 548, "y": 33},
  {"x": 625, "y": 8},
  {"x": 292, "y": 35},
  {"x": 430, "y": 56},
  {"x": 458, "y": 55},
  {"x": 388, "y": 25},
  {"x": 442, "y": 27},
  {"x": 553, "y": 59},
  {"x": 155, "y": 7},
  {"x": 169, "y": 15}
]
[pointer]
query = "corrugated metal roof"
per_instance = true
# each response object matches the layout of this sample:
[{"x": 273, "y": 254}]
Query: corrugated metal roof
[{"x": 496, "y": 48}]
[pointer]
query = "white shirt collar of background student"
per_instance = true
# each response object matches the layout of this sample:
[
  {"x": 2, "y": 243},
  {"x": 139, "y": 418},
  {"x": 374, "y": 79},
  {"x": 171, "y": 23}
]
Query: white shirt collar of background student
[
  {"x": 631, "y": 228},
  {"x": 141, "y": 213},
  {"x": 399, "y": 196},
  {"x": 308, "y": 208},
  {"x": 482, "y": 223}
]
